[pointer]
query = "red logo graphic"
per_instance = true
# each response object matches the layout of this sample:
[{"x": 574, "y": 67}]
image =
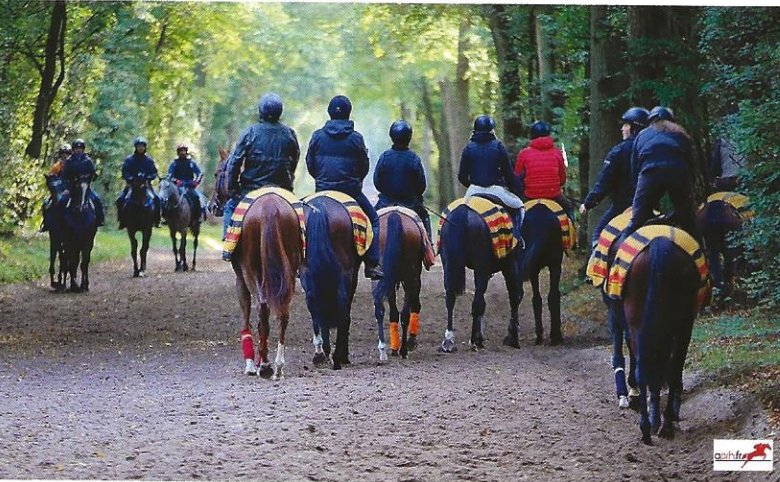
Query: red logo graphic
[{"x": 760, "y": 451}]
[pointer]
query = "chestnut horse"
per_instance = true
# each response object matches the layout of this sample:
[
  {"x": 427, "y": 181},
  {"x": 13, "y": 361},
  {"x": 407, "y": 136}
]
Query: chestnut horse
[
  {"x": 716, "y": 220},
  {"x": 401, "y": 251},
  {"x": 265, "y": 261},
  {"x": 660, "y": 304}
]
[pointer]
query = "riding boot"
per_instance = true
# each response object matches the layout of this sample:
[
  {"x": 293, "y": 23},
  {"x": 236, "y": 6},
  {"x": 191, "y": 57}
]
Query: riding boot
[
  {"x": 157, "y": 212},
  {"x": 100, "y": 213},
  {"x": 517, "y": 225}
]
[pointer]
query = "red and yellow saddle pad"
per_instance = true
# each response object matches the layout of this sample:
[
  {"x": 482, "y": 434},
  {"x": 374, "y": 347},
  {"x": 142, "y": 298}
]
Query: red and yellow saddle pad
[
  {"x": 738, "y": 201},
  {"x": 497, "y": 219},
  {"x": 598, "y": 263},
  {"x": 361, "y": 227},
  {"x": 568, "y": 232},
  {"x": 233, "y": 234},
  {"x": 429, "y": 256},
  {"x": 638, "y": 241}
]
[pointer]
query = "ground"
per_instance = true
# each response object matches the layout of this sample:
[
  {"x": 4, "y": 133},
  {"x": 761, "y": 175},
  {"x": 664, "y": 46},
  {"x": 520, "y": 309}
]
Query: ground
[{"x": 142, "y": 378}]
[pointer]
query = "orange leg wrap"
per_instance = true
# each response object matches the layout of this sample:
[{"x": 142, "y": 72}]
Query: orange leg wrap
[
  {"x": 395, "y": 336},
  {"x": 247, "y": 346},
  {"x": 414, "y": 323}
]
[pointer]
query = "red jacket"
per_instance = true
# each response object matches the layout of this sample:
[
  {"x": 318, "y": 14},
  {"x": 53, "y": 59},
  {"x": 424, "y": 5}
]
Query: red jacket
[{"x": 540, "y": 166}]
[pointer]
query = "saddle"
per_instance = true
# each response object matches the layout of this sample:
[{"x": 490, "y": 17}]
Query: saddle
[
  {"x": 568, "y": 231},
  {"x": 598, "y": 263},
  {"x": 495, "y": 216},
  {"x": 429, "y": 256},
  {"x": 739, "y": 202},
  {"x": 361, "y": 228}
]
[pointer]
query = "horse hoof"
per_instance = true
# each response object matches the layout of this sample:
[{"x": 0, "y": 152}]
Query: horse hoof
[
  {"x": 623, "y": 402},
  {"x": 250, "y": 369},
  {"x": 666, "y": 431},
  {"x": 135, "y": 275},
  {"x": 646, "y": 439},
  {"x": 85, "y": 290},
  {"x": 411, "y": 342},
  {"x": 512, "y": 341},
  {"x": 320, "y": 360},
  {"x": 336, "y": 365},
  {"x": 393, "y": 352},
  {"x": 265, "y": 371},
  {"x": 558, "y": 340},
  {"x": 539, "y": 341},
  {"x": 142, "y": 274},
  {"x": 404, "y": 354},
  {"x": 185, "y": 268}
]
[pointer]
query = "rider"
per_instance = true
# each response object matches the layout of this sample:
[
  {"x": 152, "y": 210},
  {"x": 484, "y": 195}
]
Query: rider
[
  {"x": 337, "y": 159},
  {"x": 661, "y": 163},
  {"x": 615, "y": 176},
  {"x": 399, "y": 176},
  {"x": 485, "y": 168},
  {"x": 184, "y": 171},
  {"x": 63, "y": 153},
  {"x": 135, "y": 164},
  {"x": 79, "y": 164},
  {"x": 541, "y": 169},
  {"x": 268, "y": 152}
]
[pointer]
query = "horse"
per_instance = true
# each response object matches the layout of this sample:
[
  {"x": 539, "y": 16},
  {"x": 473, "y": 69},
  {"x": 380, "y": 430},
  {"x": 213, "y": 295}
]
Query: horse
[
  {"x": 660, "y": 304},
  {"x": 401, "y": 251},
  {"x": 329, "y": 277},
  {"x": 465, "y": 243},
  {"x": 79, "y": 230},
  {"x": 181, "y": 214},
  {"x": 715, "y": 221},
  {"x": 138, "y": 213},
  {"x": 265, "y": 262},
  {"x": 220, "y": 195},
  {"x": 541, "y": 231},
  {"x": 53, "y": 221}
]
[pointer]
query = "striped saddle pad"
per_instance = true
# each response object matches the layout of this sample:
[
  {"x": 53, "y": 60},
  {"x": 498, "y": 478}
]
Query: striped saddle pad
[
  {"x": 598, "y": 263},
  {"x": 233, "y": 234},
  {"x": 429, "y": 256},
  {"x": 638, "y": 241},
  {"x": 740, "y": 202},
  {"x": 568, "y": 232},
  {"x": 497, "y": 219},
  {"x": 361, "y": 227}
]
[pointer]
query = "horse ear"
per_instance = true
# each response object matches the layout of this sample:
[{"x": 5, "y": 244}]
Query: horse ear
[{"x": 222, "y": 153}]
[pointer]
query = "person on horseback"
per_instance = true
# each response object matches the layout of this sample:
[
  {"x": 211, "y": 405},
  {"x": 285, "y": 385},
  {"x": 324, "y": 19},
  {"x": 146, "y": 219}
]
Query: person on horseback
[
  {"x": 337, "y": 159},
  {"x": 63, "y": 153},
  {"x": 661, "y": 163},
  {"x": 79, "y": 164},
  {"x": 268, "y": 152},
  {"x": 185, "y": 173},
  {"x": 138, "y": 164},
  {"x": 541, "y": 170},
  {"x": 399, "y": 175},
  {"x": 615, "y": 176},
  {"x": 485, "y": 168},
  {"x": 54, "y": 173}
]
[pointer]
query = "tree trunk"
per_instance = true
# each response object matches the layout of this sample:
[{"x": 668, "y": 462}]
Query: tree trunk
[
  {"x": 55, "y": 49},
  {"x": 544, "y": 54},
  {"x": 444, "y": 169},
  {"x": 605, "y": 86},
  {"x": 647, "y": 25}
]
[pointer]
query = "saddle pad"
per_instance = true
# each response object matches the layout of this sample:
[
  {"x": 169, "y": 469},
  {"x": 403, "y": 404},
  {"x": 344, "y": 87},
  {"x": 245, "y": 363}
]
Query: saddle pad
[
  {"x": 429, "y": 256},
  {"x": 740, "y": 202},
  {"x": 598, "y": 263},
  {"x": 638, "y": 241},
  {"x": 568, "y": 232},
  {"x": 237, "y": 220},
  {"x": 498, "y": 221},
  {"x": 361, "y": 227}
]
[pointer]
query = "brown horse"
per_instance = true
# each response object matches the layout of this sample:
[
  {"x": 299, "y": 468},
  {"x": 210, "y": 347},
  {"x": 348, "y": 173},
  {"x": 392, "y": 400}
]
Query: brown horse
[
  {"x": 401, "y": 251},
  {"x": 660, "y": 304},
  {"x": 716, "y": 220},
  {"x": 220, "y": 196},
  {"x": 181, "y": 215},
  {"x": 265, "y": 261}
]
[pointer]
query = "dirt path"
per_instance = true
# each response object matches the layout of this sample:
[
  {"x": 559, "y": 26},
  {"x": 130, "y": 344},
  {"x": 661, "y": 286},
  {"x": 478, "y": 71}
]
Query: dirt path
[{"x": 141, "y": 378}]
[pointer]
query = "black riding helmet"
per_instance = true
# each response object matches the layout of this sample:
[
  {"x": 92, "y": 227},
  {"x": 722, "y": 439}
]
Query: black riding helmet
[
  {"x": 636, "y": 117},
  {"x": 339, "y": 107},
  {"x": 401, "y": 133},
  {"x": 660, "y": 113},
  {"x": 540, "y": 129},
  {"x": 484, "y": 123},
  {"x": 78, "y": 143},
  {"x": 270, "y": 107},
  {"x": 139, "y": 140}
]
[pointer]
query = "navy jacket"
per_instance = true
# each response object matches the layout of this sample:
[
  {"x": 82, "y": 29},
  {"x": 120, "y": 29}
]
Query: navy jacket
[
  {"x": 399, "y": 176},
  {"x": 485, "y": 162},
  {"x": 78, "y": 165},
  {"x": 662, "y": 145},
  {"x": 185, "y": 170},
  {"x": 614, "y": 178},
  {"x": 269, "y": 154},
  {"x": 136, "y": 164},
  {"x": 338, "y": 158}
]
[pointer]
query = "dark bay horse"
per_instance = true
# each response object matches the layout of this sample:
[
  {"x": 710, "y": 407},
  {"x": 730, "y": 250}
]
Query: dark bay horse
[
  {"x": 401, "y": 252},
  {"x": 329, "y": 277},
  {"x": 220, "y": 196},
  {"x": 53, "y": 221},
  {"x": 543, "y": 249},
  {"x": 181, "y": 214},
  {"x": 138, "y": 213},
  {"x": 465, "y": 243},
  {"x": 266, "y": 261},
  {"x": 79, "y": 230},
  {"x": 660, "y": 304},
  {"x": 716, "y": 220}
]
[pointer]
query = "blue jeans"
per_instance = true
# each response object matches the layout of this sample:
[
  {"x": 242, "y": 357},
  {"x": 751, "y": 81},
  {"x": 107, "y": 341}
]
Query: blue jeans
[{"x": 227, "y": 213}]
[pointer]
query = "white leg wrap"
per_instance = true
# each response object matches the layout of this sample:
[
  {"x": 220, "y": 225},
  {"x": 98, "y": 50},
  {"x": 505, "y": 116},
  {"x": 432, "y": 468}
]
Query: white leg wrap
[
  {"x": 317, "y": 340},
  {"x": 382, "y": 352}
]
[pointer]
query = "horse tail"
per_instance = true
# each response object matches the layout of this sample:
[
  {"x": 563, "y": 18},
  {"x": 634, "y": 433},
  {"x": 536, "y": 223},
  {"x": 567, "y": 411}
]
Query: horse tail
[
  {"x": 278, "y": 279},
  {"x": 543, "y": 232},
  {"x": 391, "y": 258},
  {"x": 454, "y": 239},
  {"x": 327, "y": 290}
]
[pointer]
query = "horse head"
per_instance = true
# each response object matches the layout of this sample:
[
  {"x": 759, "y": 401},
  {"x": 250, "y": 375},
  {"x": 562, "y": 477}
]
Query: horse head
[
  {"x": 170, "y": 196},
  {"x": 220, "y": 196}
]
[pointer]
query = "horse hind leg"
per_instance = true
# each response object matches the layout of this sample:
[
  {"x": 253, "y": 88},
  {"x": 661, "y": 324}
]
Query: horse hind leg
[
  {"x": 395, "y": 337},
  {"x": 414, "y": 320},
  {"x": 247, "y": 344},
  {"x": 478, "y": 311},
  {"x": 279, "y": 362},
  {"x": 537, "y": 305},
  {"x": 411, "y": 290},
  {"x": 448, "y": 344},
  {"x": 510, "y": 277},
  {"x": 554, "y": 305},
  {"x": 379, "y": 314},
  {"x": 265, "y": 369}
]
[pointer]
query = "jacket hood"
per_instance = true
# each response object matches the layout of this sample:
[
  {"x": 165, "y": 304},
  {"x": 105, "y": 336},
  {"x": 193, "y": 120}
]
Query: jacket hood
[
  {"x": 482, "y": 137},
  {"x": 669, "y": 126},
  {"x": 542, "y": 143},
  {"x": 339, "y": 127}
]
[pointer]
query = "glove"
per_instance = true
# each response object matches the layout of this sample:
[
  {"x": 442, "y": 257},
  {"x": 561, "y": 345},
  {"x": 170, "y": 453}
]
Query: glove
[{"x": 179, "y": 183}]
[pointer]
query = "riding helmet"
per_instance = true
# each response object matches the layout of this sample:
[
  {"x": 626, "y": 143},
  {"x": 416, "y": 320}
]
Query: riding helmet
[
  {"x": 540, "y": 129},
  {"x": 182, "y": 145},
  {"x": 65, "y": 147},
  {"x": 636, "y": 116},
  {"x": 339, "y": 107},
  {"x": 660, "y": 113},
  {"x": 79, "y": 143},
  {"x": 270, "y": 107},
  {"x": 401, "y": 133},
  {"x": 139, "y": 140},
  {"x": 484, "y": 123}
]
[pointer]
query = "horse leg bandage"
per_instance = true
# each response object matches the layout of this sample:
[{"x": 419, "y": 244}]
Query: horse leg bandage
[
  {"x": 395, "y": 336},
  {"x": 414, "y": 323},
  {"x": 247, "y": 345}
]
